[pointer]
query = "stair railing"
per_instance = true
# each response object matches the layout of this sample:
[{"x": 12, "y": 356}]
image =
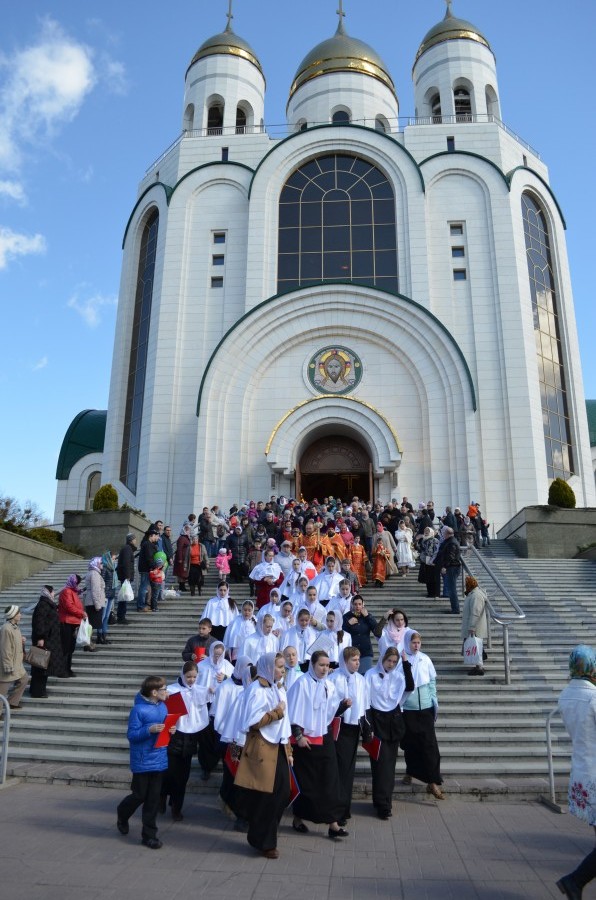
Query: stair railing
[
  {"x": 5, "y": 735},
  {"x": 502, "y": 619},
  {"x": 551, "y": 800}
]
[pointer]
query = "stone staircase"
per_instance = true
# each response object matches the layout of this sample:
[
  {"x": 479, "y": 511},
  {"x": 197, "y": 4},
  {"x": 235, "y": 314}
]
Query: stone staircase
[{"x": 491, "y": 735}]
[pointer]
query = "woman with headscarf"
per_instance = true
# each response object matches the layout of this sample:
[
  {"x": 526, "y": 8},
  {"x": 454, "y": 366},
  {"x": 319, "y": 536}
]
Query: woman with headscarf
[
  {"x": 221, "y": 610},
  {"x": 110, "y": 580},
  {"x": 262, "y": 641},
  {"x": 577, "y": 705},
  {"x": 71, "y": 613},
  {"x": 212, "y": 671},
  {"x": 429, "y": 547},
  {"x": 380, "y": 560},
  {"x": 182, "y": 557},
  {"x": 388, "y": 683},
  {"x": 391, "y": 630},
  {"x": 263, "y": 772},
  {"x": 390, "y": 547},
  {"x": 312, "y": 703},
  {"x": 95, "y": 596},
  {"x": 351, "y": 687},
  {"x": 419, "y": 743},
  {"x": 332, "y": 638},
  {"x": 403, "y": 538},
  {"x": 45, "y": 632},
  {"x": 183, "y": 743},
  {"x": 474, "y": 619},
  {"x": 241, "y": 628}
]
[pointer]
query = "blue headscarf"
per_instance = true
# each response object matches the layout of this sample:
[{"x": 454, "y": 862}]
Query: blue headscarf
[{"x": 582, "y": 662}]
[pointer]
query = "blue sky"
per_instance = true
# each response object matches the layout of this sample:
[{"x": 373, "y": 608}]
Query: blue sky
[{"x": 91, "y": 93}]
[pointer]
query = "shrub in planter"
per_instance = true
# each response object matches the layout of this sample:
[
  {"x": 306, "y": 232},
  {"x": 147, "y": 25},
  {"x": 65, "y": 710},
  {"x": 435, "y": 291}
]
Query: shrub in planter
[
  {"x": 106, "y": 498},
  {"x": 561, "y": 495}
]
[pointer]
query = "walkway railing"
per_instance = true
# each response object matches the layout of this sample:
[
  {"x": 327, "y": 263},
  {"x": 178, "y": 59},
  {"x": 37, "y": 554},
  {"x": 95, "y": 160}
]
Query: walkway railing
[
  {"x": 505, "y": 620},
  {"x": 388, "y": 126},
  {"x": 551, "y": 800},
  {"x": 5, "y": 736}
]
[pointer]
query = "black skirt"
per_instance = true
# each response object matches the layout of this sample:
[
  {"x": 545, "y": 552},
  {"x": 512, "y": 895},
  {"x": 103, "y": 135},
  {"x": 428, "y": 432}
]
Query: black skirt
[
  {"x": 346, "y": 748},
  {"x": 317, "y": 775},
  {"x": 262, "y": 810},
  {"x": 419, "y": 743}
]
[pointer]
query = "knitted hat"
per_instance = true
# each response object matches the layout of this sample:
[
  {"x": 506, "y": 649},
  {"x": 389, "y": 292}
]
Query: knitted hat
[{"x": 10, "y": 612}]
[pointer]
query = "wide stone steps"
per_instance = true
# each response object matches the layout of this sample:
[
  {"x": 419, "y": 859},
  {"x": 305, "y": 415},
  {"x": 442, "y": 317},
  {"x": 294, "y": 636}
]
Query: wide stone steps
[{"x": 488, "y": 732}]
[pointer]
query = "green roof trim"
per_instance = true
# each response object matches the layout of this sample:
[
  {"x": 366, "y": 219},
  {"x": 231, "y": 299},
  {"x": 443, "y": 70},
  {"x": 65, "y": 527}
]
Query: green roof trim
[
  {"x": 545, "y": 183},
  {"x": 385, "y": 293},
  {"x": 86, "y": 434},
  {"x": 382, "y": 134},
  {"x": 469, "y": 153},
  {"x": 591, "y": 411},
  {"x": 170, "y": 190}
]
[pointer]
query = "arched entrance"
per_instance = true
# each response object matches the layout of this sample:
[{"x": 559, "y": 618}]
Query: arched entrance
[{"x": 335, "y": 465}]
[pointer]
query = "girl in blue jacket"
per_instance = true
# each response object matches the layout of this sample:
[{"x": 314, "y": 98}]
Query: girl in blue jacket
[{"x": 147, "y": 762}]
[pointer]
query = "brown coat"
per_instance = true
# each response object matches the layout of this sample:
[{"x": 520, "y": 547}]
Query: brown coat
[{"x": 256, "y": 770}]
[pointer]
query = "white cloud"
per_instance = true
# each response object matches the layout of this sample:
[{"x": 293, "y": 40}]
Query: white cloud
[
  {"x": 13, "y": 244},
  {"x": 113, "y": 73},
  {"x": 14, "y": 190},
  {"x": 40, "y": 364},
  {"x": 43, "y": 86},
  {"x": 89, "y": 308}
]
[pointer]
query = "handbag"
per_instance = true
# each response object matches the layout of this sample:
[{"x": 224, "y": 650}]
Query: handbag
[
  {"x": 472, "y": 651},
  {"x": 38, "y": 657}
]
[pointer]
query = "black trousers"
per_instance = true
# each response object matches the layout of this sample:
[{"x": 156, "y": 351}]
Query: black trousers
[
  {"x": 39, "y": 682},
  {"x": 209, "y": 752},
  {"x": 146, "y": 790},
  {"x": 586, "y": 871},
  {"x": 175, "y": 780},
  {"x": 346, "y": 748},
  {"x": 383, "y": 776},
  {"x": 68, "y": 637}
]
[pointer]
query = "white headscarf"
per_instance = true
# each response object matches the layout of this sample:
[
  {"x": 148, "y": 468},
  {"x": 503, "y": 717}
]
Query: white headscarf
[
  {"x": 262, "y": 699},
  {"x": 386, "y": 689},
  {"x": 423, "y": 669},
  {"x": 312, "y": 703}
]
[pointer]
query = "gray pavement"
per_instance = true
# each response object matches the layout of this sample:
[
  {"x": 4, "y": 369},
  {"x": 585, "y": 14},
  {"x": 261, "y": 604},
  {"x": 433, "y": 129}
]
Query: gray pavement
[{"x": 60, "y": 843}]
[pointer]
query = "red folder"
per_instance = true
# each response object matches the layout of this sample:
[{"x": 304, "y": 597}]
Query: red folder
[
  {"x": 176, "y": 705},
  {"x": 315, "y": 741},
  {"x": 373, "y": 748},
  {"x": 230, "y": 762},
  {"x": 335, "y": 726},
  {"x": 199, "y": 653},
  {"x": 163, "y": 738}
]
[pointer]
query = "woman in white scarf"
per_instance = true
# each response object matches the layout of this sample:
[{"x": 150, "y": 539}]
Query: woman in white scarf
[
  {"x": 221, "y": 610},
  {"x": 262, "y": 780},
  {"x": 241, "y": 628},
  {"x": 403, "y": 540},
  {"x": 262, "y": 641},
  {"x": 392, "y": 633},
  {"x": 332, "y": 639},
  {"x": 387, "y": 684},
  {"x": 183, "y": 743},
  {"x": 419, "y": 743},
  {"x": 211, "y": 672},
  {"x": 312, "y": 703},
  {"x": 352, "y": 688}
]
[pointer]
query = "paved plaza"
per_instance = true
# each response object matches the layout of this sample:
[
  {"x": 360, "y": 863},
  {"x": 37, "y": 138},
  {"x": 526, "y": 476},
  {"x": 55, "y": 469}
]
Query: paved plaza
[{"x": 61, "y": 842}]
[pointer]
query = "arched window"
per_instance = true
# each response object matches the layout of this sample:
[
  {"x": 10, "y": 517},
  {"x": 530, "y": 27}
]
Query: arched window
[
  {"x": 189, "y": 117},
  {"x": 492, "y": 102},
  {"x": 215, "y": 118},
  {"x": 382, "y": 125},
  {"x": 240, "y": 121},
  {"x": 341, "y": 117},
  {"x": 133, "y": 411},
  {"x": 93, "y": 485},
  {"x": 551, "y": 373},
  {"x": 337, "y": 223},
  {"x": 463, "y": 104},
  {"x": 301, "y": 125},
  {"x": 435, "y": 109}
]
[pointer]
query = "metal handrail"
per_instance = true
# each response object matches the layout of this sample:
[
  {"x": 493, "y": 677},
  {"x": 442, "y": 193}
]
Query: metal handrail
[
  {"x": 551, "y": 800},
  {"x": 504, "y": 620},
  {"x": 5, "y": 735}
]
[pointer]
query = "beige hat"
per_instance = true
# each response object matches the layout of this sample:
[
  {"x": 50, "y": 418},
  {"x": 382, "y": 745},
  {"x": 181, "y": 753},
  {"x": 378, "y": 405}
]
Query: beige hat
[{"x": 10, "y": 612}]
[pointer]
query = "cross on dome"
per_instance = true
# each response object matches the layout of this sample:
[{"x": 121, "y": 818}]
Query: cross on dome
[
  {"x": 448, "y": 13},
  {"x": 342, "y": 15},
  {"x": 230, "y": 16}
]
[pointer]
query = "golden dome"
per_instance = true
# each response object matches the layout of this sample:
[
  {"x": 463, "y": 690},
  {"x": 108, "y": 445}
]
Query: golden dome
[
  {"x": 226, "y": 44},
  {"x": 451, "y": 29},
  {"x": 341, "y": 53}
]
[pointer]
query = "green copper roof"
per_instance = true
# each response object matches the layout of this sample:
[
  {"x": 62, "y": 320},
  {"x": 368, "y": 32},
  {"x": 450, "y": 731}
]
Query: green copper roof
[
  {"x": 591, "y": 410},
  {"x": 86, "y": 434}
]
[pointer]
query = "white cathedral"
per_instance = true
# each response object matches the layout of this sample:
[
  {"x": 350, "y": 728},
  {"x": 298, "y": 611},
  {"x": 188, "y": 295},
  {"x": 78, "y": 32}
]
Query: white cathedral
[{"x": 365, "y": 306}]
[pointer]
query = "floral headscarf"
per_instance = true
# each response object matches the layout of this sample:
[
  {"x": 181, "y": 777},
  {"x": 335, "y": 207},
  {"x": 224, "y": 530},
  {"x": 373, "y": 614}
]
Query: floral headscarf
[
  {"x": 95, "y": 563},
  {"x": 582, "y": 662}
]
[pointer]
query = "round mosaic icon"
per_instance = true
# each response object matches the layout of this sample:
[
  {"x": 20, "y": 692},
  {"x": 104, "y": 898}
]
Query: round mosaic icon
[{"x": 335, "y": 370}]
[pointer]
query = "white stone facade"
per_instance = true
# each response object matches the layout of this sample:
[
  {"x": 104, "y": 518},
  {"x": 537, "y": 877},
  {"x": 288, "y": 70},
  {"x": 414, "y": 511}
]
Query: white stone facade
[{"x": 448, "y": 406}]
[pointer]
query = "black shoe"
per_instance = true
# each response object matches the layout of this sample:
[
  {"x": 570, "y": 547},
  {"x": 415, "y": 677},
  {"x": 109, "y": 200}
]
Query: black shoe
[
  {"x": 300, "y": 827},
  {"x": 177, "y": 815},
  {"x": 568, "y": 886},
  {"x": 334, "y": 834},
  {"x": 122, "y": 622},
  {"x": 152, "y": 843},
  {"x": 105, "y": 640},
  {"x": 122, "y": 826},
  {"x": 72, "y": 674}
]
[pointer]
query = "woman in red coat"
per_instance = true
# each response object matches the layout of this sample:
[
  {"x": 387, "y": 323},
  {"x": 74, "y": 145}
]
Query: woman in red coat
[
  {"x": 182, "y": 558},
  {"x": 71, "y": 613}
]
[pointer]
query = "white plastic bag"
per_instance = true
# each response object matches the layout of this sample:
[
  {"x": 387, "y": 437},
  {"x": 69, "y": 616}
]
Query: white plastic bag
[
  {"x": 473, "y": 651},
  {"x": 84, "y": 634},
  {"x": 126, "y": 593}
]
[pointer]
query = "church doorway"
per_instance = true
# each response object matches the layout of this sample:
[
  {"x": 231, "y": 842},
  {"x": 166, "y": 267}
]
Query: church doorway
[{"x": 335, "y": 466}]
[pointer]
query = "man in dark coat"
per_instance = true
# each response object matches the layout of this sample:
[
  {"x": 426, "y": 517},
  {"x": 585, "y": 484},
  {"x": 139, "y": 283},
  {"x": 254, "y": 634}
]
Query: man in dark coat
[
  {"x": 125, "y": 570},
  {"x": 147, "y": 552},
  {"x": 237, "y": 543},
  {"x": 449, "y": 561}
]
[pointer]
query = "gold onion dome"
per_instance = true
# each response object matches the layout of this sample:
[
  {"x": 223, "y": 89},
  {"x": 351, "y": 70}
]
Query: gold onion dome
[
  {"x": 227, "y": 44},
  {"x": 451, "y": 29},
  {"x": 341, "y": 53}
]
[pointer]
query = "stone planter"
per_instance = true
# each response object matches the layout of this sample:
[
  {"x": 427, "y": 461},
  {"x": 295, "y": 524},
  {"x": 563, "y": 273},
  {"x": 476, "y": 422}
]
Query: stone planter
[
  {"x": 96, "y": 532},
  {"x": 548, "y": 532}
]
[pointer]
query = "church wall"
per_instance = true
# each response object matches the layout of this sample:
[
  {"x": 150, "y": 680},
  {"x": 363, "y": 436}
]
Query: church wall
[{"x": 364, "y": 97}]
